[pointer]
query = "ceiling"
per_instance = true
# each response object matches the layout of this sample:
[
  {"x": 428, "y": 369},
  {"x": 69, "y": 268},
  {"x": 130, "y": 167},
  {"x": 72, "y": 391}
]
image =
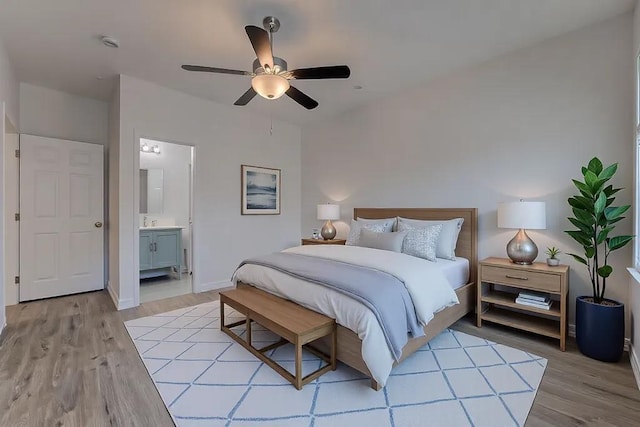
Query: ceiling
[{"x": 390, "y": 46}]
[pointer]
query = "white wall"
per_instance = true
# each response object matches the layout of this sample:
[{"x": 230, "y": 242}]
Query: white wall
[
  {"x": 9, "y": 108},
  {"x": 517, "y": 126},
  {"x": 225, "y": 137},
  {"x": 9, "y": 89},
  {"x": 174, "y": 160},
  {"x": 55, "y": 114},
  {"x": 113, "y": 228}
]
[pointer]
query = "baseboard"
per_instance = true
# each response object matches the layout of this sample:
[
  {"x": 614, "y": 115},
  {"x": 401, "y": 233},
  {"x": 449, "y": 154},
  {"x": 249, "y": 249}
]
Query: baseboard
[
  {"x": 120, "y": 304},
  {"x": 572, "y": 334},
  {"x": 635, "y": 364},
  {"x": 204, "y": 287}
]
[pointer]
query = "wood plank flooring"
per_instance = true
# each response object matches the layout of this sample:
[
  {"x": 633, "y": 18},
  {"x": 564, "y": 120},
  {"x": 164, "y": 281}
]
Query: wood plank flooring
[{"x": 70, "y": 362}]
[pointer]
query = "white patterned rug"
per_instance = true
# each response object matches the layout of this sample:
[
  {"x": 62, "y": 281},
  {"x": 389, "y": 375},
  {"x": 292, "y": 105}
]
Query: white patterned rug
[{"x": 206, "y": 379}]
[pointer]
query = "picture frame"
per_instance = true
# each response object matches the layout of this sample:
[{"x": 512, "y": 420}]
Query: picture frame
[{"x": 260, "y": 190}]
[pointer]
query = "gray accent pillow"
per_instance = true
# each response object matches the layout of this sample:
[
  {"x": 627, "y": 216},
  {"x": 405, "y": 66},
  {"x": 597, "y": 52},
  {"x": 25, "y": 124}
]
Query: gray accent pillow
[
  {"x": 384, "y": 241},
  {"x": 421, "y": 242},
  {"x": 377, "y": 225},
  {"x": 448, "y": 237}
]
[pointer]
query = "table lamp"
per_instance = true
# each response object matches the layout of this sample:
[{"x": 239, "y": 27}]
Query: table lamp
[
  {"x": 522, "y": 215},
  {"x": 328, "y": 212}
]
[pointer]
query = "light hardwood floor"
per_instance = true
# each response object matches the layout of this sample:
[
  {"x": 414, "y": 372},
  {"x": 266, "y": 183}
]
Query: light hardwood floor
[{"x": 69, "y": 361}]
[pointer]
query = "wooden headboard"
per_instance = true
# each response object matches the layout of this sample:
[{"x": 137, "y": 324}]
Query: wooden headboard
[{"x": 467, "y": 240}]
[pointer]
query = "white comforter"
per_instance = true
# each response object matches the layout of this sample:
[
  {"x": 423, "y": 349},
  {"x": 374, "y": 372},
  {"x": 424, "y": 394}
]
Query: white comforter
[{"x": 425, "y": 282}]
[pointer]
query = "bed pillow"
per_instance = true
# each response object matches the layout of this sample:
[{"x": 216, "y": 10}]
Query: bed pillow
[
  {"x": 421, "y": 242},
  {"x": 378, "y": 225},
  {"x": 381, "y": 240},
  {"x": 448, "y": 236},
  {"x": 389, "y": 223}
]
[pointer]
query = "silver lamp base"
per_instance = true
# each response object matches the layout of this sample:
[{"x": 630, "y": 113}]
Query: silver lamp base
[
  {"x": 328, "y": 231},
  {"x": 521, "y": 249}
]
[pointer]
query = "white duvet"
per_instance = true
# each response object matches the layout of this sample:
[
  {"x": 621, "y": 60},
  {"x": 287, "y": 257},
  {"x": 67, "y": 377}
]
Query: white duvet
[{"x": 426, "y": 283}]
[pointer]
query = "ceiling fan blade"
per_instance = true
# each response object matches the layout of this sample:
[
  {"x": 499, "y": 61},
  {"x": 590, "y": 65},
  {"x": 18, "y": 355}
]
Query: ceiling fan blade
[
  {"x": 215, "y": 70},
  {"x": 259, "y": 39},
  {"x": 333, "y": 72},
  {"x": 246, "y": 97},
  {"x": 302, "y": 99}
]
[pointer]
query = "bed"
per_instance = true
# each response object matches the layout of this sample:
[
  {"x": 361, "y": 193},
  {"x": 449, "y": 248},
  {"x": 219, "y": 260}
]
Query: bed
[{"x": 350, "y": 346}]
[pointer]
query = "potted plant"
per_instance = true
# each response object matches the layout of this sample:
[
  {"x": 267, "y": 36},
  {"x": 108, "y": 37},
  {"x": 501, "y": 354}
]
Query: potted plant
[
  {"x": 599, "y": 321},
  {"x": 552, "y": 261}
]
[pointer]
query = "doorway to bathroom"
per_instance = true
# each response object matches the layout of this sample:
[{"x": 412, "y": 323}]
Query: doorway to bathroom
[{"x": 166, "y": 177}]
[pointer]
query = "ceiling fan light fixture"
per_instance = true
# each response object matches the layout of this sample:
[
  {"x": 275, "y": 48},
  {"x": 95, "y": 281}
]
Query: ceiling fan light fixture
[{"x": 270, "y": 86}]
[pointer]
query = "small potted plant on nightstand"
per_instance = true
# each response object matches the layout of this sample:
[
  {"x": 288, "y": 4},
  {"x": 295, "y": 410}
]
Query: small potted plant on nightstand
[
  {"x": 552, "y": 261},
  {"x": 599, "y": 320}
]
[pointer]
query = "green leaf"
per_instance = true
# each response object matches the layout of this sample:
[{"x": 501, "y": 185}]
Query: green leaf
[
  {"x": 599, "y": 205},
  {"x": 589, "y": 252},
  {"x": 584, "y": 188},
  {"x": 602, "y": 235},
  {"x": 613, "y": 221},
  {"x": 619, "y": 242},
  {"x": 583, "y": 216},
  {"x": 590, "y": 178},
  {"x": 610, "y": 191},
  {"x": 585, "y": 228},
  {"x": 579, "y": 259},
  {"x": 608, "y": 172},
  {"x": 605, "y": 271},
  {"x": 580, "y": 203},
  {"x": 595, "y": 165},
  {"x": 614, "y": 212},
  {"x": 579, "y": 237}
]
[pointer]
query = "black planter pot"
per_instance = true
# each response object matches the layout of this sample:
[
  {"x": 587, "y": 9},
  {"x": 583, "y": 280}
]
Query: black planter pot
[{"x": 600, "y": 329}]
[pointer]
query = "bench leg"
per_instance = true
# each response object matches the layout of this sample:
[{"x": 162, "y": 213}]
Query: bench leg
[
  {"x": 375, "y": 385},
  {"x": 248, "y": 331},
  {"x": 221, "y": 314},
  {"x": 334, "y": 349},
  {"x": 298, "y": 383}
]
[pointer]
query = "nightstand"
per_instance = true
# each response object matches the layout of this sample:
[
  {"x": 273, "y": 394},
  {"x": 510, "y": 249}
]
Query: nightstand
[
  {"x": 500, "y": 280},
  {"x": 323, "y": 242}
]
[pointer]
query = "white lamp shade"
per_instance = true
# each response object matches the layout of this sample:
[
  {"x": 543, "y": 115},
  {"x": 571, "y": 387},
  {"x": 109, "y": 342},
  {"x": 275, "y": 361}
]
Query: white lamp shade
[
  {"x": 328, "y": 212},
  {"x": 270, "y": 86},
  {"x": 526, "y": 215}
]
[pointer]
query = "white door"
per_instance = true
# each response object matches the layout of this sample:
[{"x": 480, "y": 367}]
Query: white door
[{"x": 61, "y": 209}]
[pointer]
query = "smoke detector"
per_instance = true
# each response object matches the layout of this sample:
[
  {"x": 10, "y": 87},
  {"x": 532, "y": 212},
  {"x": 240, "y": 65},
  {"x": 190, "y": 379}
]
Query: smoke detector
[{"x": 110, "y": 41}]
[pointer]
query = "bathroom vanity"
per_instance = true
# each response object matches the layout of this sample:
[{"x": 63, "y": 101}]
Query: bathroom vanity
[{"x": 160, "y": 251}]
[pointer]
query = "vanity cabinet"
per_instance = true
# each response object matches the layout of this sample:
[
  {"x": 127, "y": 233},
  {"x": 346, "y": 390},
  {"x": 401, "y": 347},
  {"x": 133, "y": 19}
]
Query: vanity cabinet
[{"x": 160, "y": 250}]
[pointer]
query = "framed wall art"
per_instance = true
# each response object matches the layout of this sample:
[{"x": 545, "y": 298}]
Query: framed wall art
[{"x": 260, "y": 190}]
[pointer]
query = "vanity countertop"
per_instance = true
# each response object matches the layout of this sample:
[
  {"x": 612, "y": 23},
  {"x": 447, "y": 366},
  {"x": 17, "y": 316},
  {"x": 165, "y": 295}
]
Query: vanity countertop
[{"x": 162, "y": 227}]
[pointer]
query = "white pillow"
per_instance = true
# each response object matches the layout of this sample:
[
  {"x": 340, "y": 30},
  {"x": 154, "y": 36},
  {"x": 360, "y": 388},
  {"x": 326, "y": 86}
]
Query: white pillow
[
  {"x": 420, "y": 242},
  {"x": 388, "y": 222},
  {"x": 448, "y": 237},
  {"x": 380, "y": 240},
  {"x": 377, "y": 225}
]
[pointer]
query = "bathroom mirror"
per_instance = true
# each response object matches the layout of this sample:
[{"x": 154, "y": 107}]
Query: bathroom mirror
[{"x": 151, "y": 189}]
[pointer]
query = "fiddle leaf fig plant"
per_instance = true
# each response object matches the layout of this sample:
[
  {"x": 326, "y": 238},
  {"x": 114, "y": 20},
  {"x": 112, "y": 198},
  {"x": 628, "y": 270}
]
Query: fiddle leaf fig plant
[{"x": 595, "y": 218}]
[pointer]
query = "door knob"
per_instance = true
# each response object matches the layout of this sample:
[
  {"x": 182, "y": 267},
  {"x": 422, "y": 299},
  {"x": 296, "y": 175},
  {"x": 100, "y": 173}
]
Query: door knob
[{"x": 98, "y": 224}]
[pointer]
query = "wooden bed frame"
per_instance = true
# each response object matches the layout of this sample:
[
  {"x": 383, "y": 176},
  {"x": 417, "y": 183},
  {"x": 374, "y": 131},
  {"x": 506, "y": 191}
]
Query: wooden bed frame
[{"x": 350, "y": 346}]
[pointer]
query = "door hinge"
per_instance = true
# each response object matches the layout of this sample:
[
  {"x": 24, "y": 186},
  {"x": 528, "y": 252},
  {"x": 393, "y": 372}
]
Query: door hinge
[
  {"x": 16, "y": 280},
  {"x": 18, "y": 153},
  {"x": 17, "y": 217}
]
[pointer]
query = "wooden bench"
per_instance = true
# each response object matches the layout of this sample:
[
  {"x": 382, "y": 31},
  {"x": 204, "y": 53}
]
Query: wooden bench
[{"x": 293, "y": 323}]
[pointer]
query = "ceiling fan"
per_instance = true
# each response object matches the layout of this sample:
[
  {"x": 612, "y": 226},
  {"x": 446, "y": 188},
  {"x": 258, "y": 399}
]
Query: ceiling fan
[{"x": 270, "y": 77}]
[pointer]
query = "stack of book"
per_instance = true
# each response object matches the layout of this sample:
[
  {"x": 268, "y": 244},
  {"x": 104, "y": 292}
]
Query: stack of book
[{"x": 534, "y": 299}]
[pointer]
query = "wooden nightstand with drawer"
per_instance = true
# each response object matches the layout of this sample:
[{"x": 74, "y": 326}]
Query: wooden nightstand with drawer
[
  {"x": 322, "y": 242},
  {"x": 500, "y": 280}
]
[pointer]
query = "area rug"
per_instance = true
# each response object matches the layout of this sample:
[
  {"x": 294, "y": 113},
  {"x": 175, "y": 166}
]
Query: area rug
[{"x": 206, "y": 379}]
